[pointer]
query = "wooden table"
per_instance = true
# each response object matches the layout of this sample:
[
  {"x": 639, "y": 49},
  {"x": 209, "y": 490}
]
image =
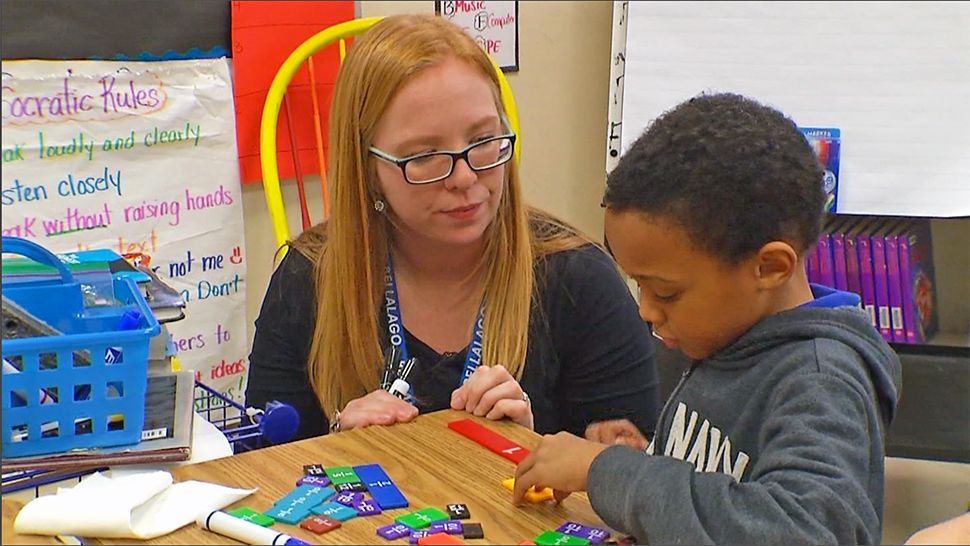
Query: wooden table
[{"x": 429, "y": 463}]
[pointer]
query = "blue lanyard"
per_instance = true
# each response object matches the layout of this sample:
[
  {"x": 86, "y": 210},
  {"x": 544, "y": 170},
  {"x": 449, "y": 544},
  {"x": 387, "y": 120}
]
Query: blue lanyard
[{"x": 395, "y": 326}]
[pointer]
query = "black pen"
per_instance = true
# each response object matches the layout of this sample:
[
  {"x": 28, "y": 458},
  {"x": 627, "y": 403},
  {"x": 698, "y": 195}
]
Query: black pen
[{"x": 391, "y": 357}]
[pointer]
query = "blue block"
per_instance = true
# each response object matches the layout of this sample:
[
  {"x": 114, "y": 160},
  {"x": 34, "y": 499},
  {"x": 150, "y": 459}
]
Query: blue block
[
  {"x": 305, "y": 495},
  {"x": 290, "y": 514},
  {"x": 334, "y": 510},
  {"x": 380, "y": 487}
]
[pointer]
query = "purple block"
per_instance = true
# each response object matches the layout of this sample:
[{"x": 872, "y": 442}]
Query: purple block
[
  {"x": 415, "y": 535},
  {"x": 394, "y": 531},
  {"x": 366, "y": 507},
  {"x": 321, "y": 481},
  {"x": 348, "y": 498},
  {"x": 451, "y": 526},
  {"x": 594, "y": 535}
]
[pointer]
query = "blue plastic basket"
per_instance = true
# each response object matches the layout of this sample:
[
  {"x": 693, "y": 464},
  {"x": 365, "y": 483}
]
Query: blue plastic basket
[{"x": 96, "y": 404}]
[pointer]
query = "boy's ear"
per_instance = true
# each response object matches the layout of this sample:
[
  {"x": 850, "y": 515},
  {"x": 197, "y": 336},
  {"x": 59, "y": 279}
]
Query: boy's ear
[{"x": 776, "y": 262}]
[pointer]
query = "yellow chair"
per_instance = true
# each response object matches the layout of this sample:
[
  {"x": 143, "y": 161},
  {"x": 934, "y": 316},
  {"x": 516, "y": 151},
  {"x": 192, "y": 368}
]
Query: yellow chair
[{"x": 274, "y": 98}]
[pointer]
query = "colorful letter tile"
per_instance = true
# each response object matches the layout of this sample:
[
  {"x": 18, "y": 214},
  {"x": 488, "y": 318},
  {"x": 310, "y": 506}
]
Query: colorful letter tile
[
  {"x": 253, "y": 516},
  {"x": 289, "y": 514},
  {"x": 348, "y": 498},
  {"x": 313, "y": 470},
  {"x": 439, "y": 538},
  {"x": 366, "y": 507},
  {"x": 380, "y": 486},
  {"x": 341, "y": 474},
  {"x": 334, "y": 510},
  {"x": 422, "y": 518},
  {"x": 320, "y": 481},
  {"x": 312, "y": 495},
  {"x": 452, "y": 527},
  {"x": 319, "y": 524},
  {"x": 394, "y": 531},
  {"x": 356, "y": 487},
  {"x": 458, "y": 511},
  {"x": 555, "y": 538},
  {"x": 595, "y": 535}
]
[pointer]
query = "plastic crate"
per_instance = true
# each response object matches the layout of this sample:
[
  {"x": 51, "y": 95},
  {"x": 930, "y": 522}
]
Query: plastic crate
[{"x": 95, "y": 404}]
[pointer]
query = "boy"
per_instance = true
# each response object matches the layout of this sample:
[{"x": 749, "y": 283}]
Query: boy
[{"x": 775, "y": 434}]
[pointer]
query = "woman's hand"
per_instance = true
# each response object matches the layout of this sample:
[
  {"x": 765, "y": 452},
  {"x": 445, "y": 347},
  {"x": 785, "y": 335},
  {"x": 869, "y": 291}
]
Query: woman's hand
[
  {"x": 616, "y": 431},
  {"x": 493, "y": 393},
  {"x": 376, "y": 408}
]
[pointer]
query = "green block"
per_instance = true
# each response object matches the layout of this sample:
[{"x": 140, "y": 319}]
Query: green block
[
  {"x": 341, "y": 474},
  {"x": 422, "y": 518},
  {"x": 252, "y": 516},
  {"x": 551, "y": 538}
]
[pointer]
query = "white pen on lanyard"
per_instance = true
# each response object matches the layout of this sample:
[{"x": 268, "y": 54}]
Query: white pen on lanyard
[
  {"x": 400, "y": 388},
  {"x": 244, "y": 531}
]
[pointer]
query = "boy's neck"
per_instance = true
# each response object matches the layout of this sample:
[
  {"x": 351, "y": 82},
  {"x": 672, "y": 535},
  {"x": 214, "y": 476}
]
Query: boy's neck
[{"x": 794, "y": 293}]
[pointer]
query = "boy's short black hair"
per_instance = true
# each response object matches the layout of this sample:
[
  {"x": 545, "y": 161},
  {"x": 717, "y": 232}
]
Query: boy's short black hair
[{"x": 736, "y": 174}]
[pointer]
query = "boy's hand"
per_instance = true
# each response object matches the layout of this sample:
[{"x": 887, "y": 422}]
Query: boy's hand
[
  {"x": 616, "y": 431},
  {"x": 493, "y": 393},
  {"x": 561, "y": 461}
]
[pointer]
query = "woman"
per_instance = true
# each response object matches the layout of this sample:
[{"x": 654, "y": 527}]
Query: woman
[{"x": 428, "y": 230}]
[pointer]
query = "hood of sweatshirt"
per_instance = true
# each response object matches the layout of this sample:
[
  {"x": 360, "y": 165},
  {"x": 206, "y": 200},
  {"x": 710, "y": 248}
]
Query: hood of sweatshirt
[{"x": 834, "y": 315}]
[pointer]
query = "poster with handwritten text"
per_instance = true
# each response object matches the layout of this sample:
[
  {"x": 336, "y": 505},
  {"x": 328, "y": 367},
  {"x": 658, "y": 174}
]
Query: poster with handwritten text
[
  {"x": 137, "y": 157},
  {"x": 494, "y": 24}
]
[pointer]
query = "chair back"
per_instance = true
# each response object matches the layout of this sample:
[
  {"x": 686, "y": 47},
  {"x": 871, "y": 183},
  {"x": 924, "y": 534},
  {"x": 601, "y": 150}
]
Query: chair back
[{"x": 274, "y": 98}]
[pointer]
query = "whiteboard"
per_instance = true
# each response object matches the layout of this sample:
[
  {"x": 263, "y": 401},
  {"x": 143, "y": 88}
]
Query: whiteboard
[{"x": 893, "y": 76}]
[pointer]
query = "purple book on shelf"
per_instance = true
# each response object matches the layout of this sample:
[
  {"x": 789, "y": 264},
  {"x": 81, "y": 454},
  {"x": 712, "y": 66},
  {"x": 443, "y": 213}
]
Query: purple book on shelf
[
  {"x": 895, "y": 284},
  {"x": 811, "y": 262},
  {"x": 881, "y": 282},
  {"x": 918, "y": 282},
  {"x": 853, "y": 281},
  {"x": 838, "y": 261},
  {"x": 866, "y": 281},
  {"x": 825, "y": 269}
]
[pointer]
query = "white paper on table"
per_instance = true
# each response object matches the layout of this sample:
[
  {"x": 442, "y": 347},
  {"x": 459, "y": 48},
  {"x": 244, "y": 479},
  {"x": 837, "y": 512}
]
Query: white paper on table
[{"x": 139, "y": 505}]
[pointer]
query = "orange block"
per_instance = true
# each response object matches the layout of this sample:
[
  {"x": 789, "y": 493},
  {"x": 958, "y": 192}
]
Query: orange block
[
  {"x": 439, "y": 538},
  {"x": 532, "y": 495}
]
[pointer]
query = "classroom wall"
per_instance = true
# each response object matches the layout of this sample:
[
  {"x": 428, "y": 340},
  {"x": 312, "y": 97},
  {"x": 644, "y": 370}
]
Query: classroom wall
[{"x": 561, "y": 93}]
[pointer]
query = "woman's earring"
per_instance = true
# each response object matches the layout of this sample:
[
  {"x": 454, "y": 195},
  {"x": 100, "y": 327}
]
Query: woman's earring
[{"x": 380, "y": 205}]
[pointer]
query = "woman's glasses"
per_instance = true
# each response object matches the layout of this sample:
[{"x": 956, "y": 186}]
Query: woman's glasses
[{"x": 431, "y": 167}]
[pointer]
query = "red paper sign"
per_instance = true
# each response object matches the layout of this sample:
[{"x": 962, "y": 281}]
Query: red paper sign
[{"x": 264, "y": 33}]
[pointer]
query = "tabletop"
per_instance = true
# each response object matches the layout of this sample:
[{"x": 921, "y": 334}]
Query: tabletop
[{"x": 428, "y": 462}]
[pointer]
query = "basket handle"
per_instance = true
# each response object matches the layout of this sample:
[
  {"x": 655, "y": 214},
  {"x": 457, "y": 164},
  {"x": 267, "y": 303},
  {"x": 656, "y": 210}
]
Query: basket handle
[{"x": 32, "y": 250}]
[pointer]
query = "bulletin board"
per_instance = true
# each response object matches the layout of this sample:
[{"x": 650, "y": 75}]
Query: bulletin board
[{"x": 893, "y": 76}]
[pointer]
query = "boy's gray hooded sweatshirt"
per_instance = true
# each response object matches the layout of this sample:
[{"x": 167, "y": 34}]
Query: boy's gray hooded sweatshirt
[{"x": 778, "y": 438}]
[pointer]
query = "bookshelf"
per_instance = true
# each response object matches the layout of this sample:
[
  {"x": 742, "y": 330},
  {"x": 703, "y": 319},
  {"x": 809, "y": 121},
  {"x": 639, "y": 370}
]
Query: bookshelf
[
  {"x": 934, "y": 411},
  {"x": 933, "y": 415}
]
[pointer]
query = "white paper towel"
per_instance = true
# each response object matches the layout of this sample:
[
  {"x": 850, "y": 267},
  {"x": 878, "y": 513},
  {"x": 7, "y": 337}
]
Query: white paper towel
[{"x": 127, "y": 505}]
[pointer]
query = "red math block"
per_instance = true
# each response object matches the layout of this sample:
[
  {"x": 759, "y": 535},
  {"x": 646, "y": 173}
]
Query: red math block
[
  {"x": 439, "y": 538},
  {"x": 319, "y": 524},
  {"x": 490, "y": 439}
]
